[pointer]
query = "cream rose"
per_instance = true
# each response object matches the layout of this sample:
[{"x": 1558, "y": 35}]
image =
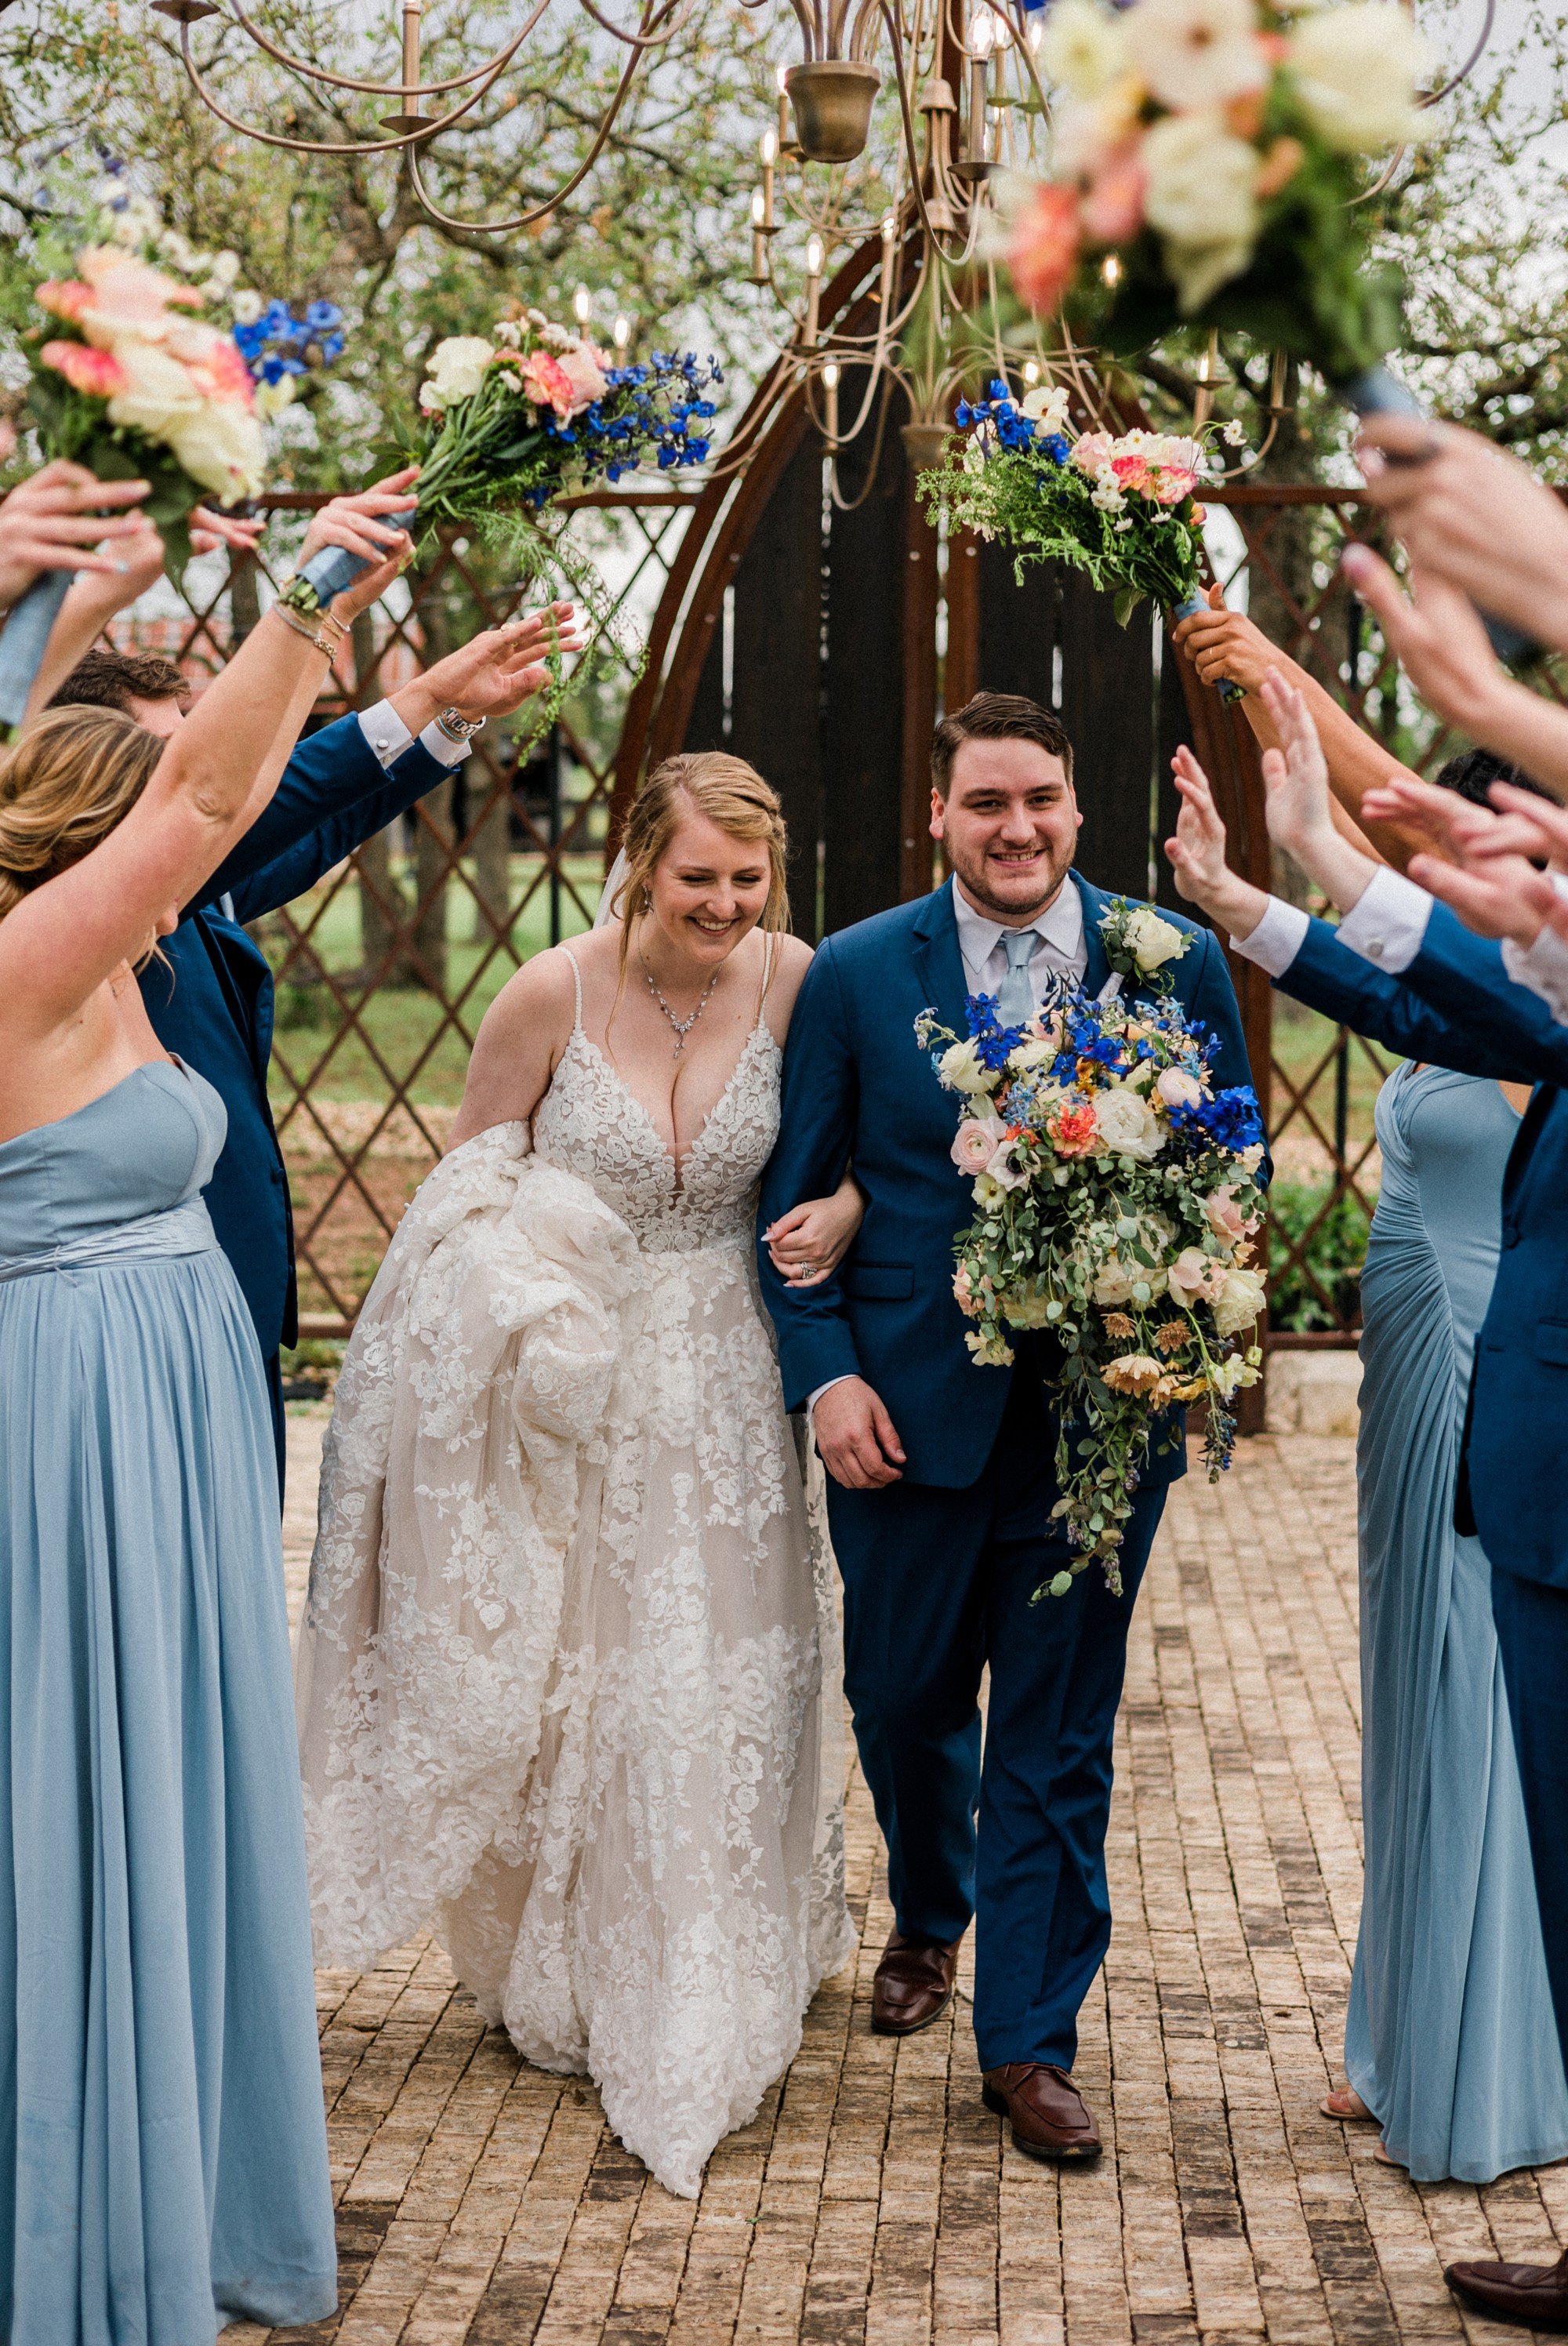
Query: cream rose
[
  {"x": 1154, "y": 942},
  {"x": 1177, "y": 1088},
  {"x": 959, "y": 1070},
  {"x": 1083, "y": 48},
  {"x": 221, "y": 446},
  {"x": 457, "y": 366},
  {"x": 1201, "y": 180},
  {"x": 1357, "y": 69},
  {"x": 1238, "y": 1302},
  {"x": 158, "y": 392},
  {"x": 1128, "y": 1124}
]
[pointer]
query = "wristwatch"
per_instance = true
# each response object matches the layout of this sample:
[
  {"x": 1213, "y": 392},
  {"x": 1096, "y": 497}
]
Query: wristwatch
[{"x": 456, "y": 727}]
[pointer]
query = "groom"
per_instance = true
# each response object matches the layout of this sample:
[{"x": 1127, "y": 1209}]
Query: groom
[{"x": 942, "y": 1474}]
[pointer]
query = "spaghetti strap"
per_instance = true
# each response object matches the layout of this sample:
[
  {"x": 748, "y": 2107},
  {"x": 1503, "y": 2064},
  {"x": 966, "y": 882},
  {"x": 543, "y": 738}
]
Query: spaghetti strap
[
  {"x": 767, "y": 975},
  {"x": 577, "y": 988}
]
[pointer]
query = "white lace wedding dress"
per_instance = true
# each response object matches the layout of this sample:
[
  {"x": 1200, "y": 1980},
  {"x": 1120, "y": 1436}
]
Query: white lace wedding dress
[{"x": 569, "y": 1673}]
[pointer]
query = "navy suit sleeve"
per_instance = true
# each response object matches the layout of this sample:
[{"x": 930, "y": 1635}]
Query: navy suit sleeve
[
  {"x": 1213, "y": 1004},
  {"x": 1327, "y": 976},
  {"x": 818, "y": 1112},
  {"x": 264, "y": 887}
]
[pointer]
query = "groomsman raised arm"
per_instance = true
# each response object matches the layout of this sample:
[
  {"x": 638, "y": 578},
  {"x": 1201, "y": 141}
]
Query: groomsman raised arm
[{"x": 942, "y": 1474}]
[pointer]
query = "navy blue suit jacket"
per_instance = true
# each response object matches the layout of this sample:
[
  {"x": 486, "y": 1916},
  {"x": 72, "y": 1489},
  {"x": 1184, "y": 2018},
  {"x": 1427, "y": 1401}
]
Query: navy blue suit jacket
[
  {"x": 211, "y": 1004},
  {"x": 858, "y": 1086},
  {"x": 1456, "y": 1006}
]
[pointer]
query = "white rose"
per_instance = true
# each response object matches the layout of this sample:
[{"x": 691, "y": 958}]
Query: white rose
[
  {"x": 1357, "y": 69},
  {"x": 1178, "y": 1088},
  {"x": 1201, "y": 181},
  {"x": 1195, "y": 53},
  {"x": 457, "y": 367},
  {"x": 1154, "y": 942},
  {"x": 1037, "y": 1050},
  {"x": 221, "y": 446},
  {"x": 1238, "y": 1302},
  {"x": 959, "y": 1070},
  {"x": 157, "y": 390},
  {"x": 1083, "y": 48},
  {"x": 1127, "y": 1122}
]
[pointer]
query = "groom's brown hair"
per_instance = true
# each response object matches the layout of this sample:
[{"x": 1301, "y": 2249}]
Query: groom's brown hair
[{"x": 996, "y": 717}]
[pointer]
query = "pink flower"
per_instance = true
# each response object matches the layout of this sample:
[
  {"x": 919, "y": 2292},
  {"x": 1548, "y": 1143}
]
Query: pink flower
[
  {"x": 1113, "y": 207},
  {"x": 64, "y": 296},
  {"x": 1195, "y": 1275},
  {"x": 1093, "y": 451},
  {"x": 974, "y": 1142},
  {"x": 1170, "y": 486},
  {"x": 964, "y": 1294},
  {"x": 98, "y": 374},
  {"x": 547, "y": 384},
  {"x": 213, "y": 364},
  {"x": 580, "y": 368},
  {"x": 1225, "y": 1216},
  {"x": 1043, "y": 248}
]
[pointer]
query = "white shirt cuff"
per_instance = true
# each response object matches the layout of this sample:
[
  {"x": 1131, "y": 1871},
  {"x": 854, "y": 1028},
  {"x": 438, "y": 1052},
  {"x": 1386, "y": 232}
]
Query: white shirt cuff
[
  {"x": 389, "y": 737},
  {"x": 1276, "y": 940},
  {"x": 1542, "y": 966},
  {"x": 813, "y": 1398},
  {"x": 1389, "y": 923}
]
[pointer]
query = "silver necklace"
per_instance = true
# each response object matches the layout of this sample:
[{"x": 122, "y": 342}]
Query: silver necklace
[{"x": 683, "y": 1026}]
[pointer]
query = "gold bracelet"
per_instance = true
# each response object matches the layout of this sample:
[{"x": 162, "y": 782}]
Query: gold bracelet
[{"x": 325, "y": 632}]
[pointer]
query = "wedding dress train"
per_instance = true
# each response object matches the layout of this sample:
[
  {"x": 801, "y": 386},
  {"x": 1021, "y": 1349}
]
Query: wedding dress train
[{"x": 569, "y": 1673}]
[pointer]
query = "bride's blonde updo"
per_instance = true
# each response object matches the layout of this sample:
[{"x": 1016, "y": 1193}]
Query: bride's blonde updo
[
  {"x": 73, "y": 776},
  {"x": 731, "y": 794}
]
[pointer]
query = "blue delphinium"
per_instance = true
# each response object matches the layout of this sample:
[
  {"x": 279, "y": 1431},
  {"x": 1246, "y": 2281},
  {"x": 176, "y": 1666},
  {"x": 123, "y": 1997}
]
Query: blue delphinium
[
  {"x": 655, "y": 410},
  {"x": 278, "y": 344}
]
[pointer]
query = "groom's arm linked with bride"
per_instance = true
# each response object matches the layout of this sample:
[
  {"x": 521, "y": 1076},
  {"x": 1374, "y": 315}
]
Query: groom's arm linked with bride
[{"x": 941, "y": 1477}]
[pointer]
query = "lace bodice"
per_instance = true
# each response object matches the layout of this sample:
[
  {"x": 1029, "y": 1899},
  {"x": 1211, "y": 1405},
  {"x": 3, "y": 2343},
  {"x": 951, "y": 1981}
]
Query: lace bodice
[{"x": 590, "y": 1124}]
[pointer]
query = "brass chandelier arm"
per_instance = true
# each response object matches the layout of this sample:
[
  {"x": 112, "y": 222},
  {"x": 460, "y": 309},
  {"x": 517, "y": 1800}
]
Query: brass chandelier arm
[
  {"x": 638, "y": 42},
  {"x": 537, "y": 212},
  {"x": 502, "y": 57},
  {"x": 314, "y": 146}
]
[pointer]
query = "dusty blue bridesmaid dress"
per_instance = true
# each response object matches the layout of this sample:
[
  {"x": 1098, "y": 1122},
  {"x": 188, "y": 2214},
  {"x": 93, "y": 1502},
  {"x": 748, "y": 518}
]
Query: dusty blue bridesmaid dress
[
  {"x": 163, "y": 2157},
  {"x": 1449, "y": 2038}
]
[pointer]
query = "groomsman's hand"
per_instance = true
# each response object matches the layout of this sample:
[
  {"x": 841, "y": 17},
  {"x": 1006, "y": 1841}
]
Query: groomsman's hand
[{"x": 858, "y": 1440}]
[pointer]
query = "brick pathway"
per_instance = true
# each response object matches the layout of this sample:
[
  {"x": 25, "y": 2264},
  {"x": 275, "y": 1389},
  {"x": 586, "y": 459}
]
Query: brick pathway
[{"x": 871, "y": 2198}]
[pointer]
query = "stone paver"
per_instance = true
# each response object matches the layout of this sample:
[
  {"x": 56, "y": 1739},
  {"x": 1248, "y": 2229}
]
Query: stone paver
[{"x": 872, "y": 2200}]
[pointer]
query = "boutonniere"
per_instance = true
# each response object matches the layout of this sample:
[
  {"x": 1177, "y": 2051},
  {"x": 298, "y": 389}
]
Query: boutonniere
[{"x": 1139, "y": 944}]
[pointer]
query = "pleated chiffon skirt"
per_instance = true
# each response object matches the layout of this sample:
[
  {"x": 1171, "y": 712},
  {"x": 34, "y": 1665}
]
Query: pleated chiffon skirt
[{"x": 163, "y": 2163}]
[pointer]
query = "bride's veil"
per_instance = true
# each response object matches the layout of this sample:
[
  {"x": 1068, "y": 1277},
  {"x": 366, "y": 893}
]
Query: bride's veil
[{"x": 615, "y": 882}]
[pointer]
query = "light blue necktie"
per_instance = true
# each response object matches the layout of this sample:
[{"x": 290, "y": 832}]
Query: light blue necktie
[{"x": 1015, "y": 995}]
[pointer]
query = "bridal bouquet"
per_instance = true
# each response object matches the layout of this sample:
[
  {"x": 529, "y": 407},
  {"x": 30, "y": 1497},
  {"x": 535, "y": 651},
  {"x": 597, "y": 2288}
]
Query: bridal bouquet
[
  {"x": 1122, "y": 510},
  {"x": 1116, "y": 1206},
  {"x": 513, "y": 418},
  {"x": 1207, "y": 168}
]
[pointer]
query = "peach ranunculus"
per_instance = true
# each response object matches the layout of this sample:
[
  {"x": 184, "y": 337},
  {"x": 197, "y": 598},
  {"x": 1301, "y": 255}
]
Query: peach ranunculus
[
  {"x": 547, "y": 384},
  {"x": 1042, "y": 250},
  {"x": 97, "y": 373},
  {"x": 582, "y": 370},
  {"x": 128, "y": 298},
  {"x": 65, "y": 296},
  {"x": 1195, "y": 1276},
  {"x": 1073, "y": 1131},
  {"x": 975, "y": 1143},
  {"x": 1224, "y": 1216}
]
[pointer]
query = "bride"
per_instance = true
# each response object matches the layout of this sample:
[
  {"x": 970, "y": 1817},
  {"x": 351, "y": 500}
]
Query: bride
[{"x": 568, "y": 1676}]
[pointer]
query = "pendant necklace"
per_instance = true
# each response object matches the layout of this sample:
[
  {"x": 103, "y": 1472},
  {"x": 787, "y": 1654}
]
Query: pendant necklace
[{"x": 683, "y": 1026}]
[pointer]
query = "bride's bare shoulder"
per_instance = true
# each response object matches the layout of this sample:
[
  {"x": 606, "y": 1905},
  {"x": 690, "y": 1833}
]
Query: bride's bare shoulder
[
  {"x": 791, "y": 960},
  {"x": 520, "y": 1038}
]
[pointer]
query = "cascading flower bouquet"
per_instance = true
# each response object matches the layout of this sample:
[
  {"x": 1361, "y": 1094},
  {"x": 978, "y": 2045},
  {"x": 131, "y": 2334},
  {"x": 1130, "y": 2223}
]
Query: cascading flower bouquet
[
  {"x": 1122, "y": 509},
  {"x": 1117, "y": 1203},
  {"x": 514, "y": 418},
  {"x": 1206, "y": 168},
  {"x": 131, "y": 379}
]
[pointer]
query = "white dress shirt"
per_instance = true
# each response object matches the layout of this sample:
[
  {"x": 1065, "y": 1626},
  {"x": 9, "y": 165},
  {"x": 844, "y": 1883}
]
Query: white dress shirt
[
  {"x": 1387, "y": 928},
  {"x": 1060, "y": 947},
  {"x": 389, "y": 737}
]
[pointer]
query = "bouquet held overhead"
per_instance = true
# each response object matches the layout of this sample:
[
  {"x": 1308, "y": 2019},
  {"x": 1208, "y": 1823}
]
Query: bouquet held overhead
[{"x": 1117, "y": 1200}]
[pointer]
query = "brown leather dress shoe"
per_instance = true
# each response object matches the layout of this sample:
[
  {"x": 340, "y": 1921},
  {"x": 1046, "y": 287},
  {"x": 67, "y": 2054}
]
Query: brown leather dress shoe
[
  {"x": 1534, "y": 2295},
  {"x": 1049, "y": 2116},
  {"x": 913, "y": 1985}
]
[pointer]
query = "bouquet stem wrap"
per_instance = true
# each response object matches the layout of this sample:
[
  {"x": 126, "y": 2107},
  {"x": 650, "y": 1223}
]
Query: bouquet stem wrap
[
  {"x": 25, "y": 639},
  {"x": 1187, "y": 608}
]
